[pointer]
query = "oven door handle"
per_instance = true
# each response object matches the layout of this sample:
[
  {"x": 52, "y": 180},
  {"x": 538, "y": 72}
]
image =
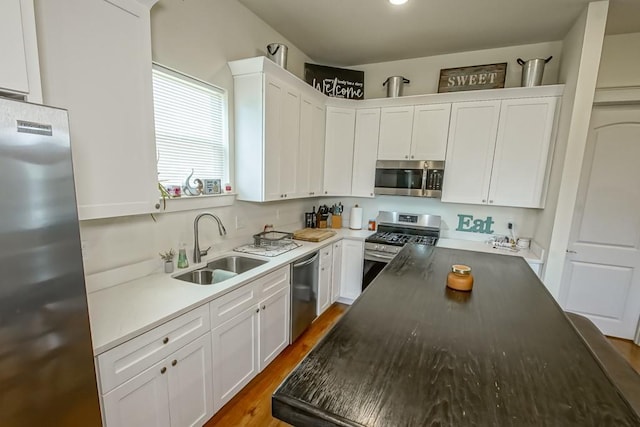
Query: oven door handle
[{"x": 374, "y": 255}]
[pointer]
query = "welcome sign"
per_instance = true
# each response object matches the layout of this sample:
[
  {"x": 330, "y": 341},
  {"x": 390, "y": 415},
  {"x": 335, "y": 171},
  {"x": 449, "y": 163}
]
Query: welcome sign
[
  {"x": 490, "y": 76},
  {"x": 335, "y": 82}
]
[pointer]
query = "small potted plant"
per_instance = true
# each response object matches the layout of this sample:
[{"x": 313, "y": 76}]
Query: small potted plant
[{"x": 167, "y": 257}]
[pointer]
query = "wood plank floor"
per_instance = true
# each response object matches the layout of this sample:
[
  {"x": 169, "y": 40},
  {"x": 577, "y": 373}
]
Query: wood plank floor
[{"x": 252, "y": 406}]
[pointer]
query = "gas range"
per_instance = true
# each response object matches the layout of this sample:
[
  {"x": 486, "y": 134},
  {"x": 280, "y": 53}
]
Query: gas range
[{"x": 397, "y": 229}]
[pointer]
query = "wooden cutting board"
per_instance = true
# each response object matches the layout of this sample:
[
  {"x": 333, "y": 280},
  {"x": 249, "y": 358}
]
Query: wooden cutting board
[{"x": 313, "y": 234}]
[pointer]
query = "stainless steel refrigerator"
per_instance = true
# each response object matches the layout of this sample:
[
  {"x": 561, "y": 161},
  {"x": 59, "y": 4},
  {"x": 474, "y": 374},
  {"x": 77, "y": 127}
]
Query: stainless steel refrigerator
[{"x": 47, "y": 375}]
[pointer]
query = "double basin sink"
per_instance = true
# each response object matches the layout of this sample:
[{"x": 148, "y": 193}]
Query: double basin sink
[{"x": 221, "y": 269}]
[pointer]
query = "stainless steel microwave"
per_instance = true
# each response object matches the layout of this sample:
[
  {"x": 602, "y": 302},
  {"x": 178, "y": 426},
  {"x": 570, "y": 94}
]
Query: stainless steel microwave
[{"x": 419, "y": 178}]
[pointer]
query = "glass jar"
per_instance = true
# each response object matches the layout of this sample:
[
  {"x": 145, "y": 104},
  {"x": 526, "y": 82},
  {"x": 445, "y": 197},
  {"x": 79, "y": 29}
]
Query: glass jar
[{"x": 460, "y": 278}]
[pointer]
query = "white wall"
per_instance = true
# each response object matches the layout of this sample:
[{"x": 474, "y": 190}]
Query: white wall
[
  {"x": 579, "y": 71},
  {"x": 523, "y": 219},
  {"x": 425, "y": 72},
  {"x": 620, "y": 63},
  {"x": 197, "y": 37}
]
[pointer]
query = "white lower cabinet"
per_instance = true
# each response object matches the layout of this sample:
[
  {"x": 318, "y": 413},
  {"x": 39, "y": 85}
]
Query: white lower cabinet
[
  {"x": 177, "y": 391},
  {"x": 235, "y": 355},
  {"x": 336, "y": 271},
  {"x": 246, "y": 343},
  {"x": 324, "y": 279},
  {"x": 352, "y": 263}
]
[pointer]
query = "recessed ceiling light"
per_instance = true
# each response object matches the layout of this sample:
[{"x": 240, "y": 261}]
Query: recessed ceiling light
[{"x": 397, "y": 2}]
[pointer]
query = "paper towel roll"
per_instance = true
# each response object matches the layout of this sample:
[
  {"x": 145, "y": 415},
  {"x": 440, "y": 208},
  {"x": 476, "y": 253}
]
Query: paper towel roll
[{"x": 355, "y": 219}]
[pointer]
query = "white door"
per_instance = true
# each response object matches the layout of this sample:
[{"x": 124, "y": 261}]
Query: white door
[
  {"x": 274, "y": 326},
  {"x": 316, "y": 167},
  {"x": 430, "y": 131},
  {"x": 352, "y": 263},
  {"x": 304, "y": 149},
  {"x": 290, "y": 142},
  {"x": 395, "y": 133},
  {"x": 365, "y": 152},
  {"x": 13, "y": 72},
  {"x": 472, "y": 139},
  {"x": 274, "y": 93},
  {"x": 338, "y": 155},
  {"x": 191, "y": 384},
  {"x": 143, "y": 401},
  {"x": 522, "y": 152},
  {"x": 324, "y": 279},
  {"x": 602, "y": 272},
  {"x": 336, "y": 271},
  {"x": 235, "y": 355}
]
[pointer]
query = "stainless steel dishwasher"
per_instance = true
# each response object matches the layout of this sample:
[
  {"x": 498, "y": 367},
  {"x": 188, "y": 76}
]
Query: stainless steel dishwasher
[{"x": 304, "y": 292}]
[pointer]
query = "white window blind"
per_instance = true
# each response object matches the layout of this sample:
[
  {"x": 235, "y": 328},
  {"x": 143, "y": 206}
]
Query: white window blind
[{"x": 190, "y": 123}]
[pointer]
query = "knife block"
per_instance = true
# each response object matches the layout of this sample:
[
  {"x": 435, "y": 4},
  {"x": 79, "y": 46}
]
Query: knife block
[{"x": 336, "y": 221}]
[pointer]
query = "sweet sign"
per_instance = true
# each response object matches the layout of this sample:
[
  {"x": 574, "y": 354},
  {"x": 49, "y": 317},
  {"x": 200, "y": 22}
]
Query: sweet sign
[
  {"x": 490, "y": 76},
  {"x": 335, "y": 82}
]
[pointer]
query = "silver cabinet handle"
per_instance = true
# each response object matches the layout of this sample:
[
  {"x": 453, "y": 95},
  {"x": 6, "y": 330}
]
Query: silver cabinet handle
[
  {"x": 174, "y": 362},
  {"x": 484, "y": 200},
  {"x": 406, "y": 157},
  {"x": 490, "y": 201},
  {"x": 258, "y": 310},
  {"x": 165, "y": 340},
  {"x": 163, "y": 370},
  {"x": 264, "y": 307}
]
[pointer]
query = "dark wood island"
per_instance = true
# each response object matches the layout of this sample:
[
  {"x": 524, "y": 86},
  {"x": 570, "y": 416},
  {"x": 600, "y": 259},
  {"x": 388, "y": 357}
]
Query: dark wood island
[{"x": 411, "y": 352}]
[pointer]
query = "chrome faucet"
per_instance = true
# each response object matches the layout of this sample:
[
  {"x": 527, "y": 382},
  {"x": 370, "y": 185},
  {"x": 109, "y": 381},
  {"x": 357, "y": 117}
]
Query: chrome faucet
[{"x": 197, "y": 253}]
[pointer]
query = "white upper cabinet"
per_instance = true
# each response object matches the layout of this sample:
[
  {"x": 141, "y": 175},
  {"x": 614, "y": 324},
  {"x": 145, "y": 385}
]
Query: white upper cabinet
[
  {"x": 472, "y": 139},
  {"x": 522, "y": 150},
  {"x": 103, "y": 77},
  {"x": 279, "y": 121},
  {"x": 395, "y": 133},
  {"x": 414, "y": 133},
  {"x": 311, "y": 150},
  {"x": 365, "y": 152},
  {"x": 338, "y": 155},
  {"x": 430, "y": 131},
  {"x": 20, "y": 72},
  {"x": 498, "y": 152}
]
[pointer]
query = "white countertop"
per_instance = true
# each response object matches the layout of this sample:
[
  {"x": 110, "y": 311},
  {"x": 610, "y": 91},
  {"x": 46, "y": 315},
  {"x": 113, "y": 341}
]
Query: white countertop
[
  {"x": 122, "y": 312},
  {"x": 470, "y": 245}
]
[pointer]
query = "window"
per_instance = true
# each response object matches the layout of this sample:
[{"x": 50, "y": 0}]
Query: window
[{"x": 191, "y": 130}]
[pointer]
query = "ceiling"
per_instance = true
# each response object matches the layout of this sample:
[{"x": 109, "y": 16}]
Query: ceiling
[{"x": 353, "y": 32}]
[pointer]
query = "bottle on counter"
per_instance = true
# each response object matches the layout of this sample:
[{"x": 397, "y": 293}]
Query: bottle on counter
[
  {"x": 314, "y": 218},
  {"x": 183, "y": 262}
]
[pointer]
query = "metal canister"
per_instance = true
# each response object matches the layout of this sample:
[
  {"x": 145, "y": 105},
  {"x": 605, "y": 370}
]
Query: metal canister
[
  {"x": 277, "y": 52},
  {"x": 532, "y": 71},
  {"x": 395, "y": 85}
]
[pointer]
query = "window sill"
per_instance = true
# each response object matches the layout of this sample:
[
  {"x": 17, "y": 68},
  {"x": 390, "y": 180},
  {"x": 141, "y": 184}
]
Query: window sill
[{"x": 187, "y": 203}]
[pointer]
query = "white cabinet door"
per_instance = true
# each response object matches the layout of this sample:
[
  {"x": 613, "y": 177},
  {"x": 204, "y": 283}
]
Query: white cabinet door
[
  {"x": 274, "y": 326},
  {"x": 430, "y": 132},
  {"x": 352, "y": 263},
  {"x": 316, "y": 167},
  {"x": 103, "y": 77},
  {"x": 311, "y": 149},
  {"x": 472, "y": 138},
  {"x": 13, "y": 72},
  {"x": 522, "y": 152},
  {"x": 274, "y": 95},
  {"x": 338, "y": 161},
  {"x": 235, "y": 355},
  {"x": 290, "y": 141},
  {"x": 191, "y": 384},
  {"x": 141, "y": 401},
  {"x": 336, "y": 271},
  {"x": 324, "y": 279},
  {"x": 395, "y": 133},
  {"x": 365, "y": 152},
  {"x": 304, "y": 150}
]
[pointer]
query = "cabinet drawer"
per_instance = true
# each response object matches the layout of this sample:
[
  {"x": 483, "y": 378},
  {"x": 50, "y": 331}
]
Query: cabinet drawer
[
  {"x": 233, "y": 303},
  {"x": 273, "y": 282},
  {"x": 131, "y": 358}
]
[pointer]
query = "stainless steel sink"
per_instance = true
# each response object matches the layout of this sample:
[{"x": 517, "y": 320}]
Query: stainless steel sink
[
  {"x": 236, "y": 264},
  {"x": 220, "y": 270}
]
